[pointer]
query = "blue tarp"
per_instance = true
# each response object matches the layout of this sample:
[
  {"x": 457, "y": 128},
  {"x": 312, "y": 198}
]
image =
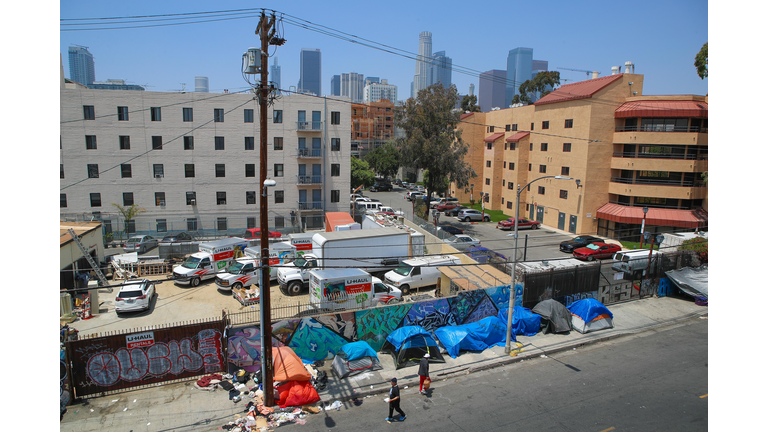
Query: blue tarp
[
  {"x": 483, "y": 255},
  {"x": 588, "y": 309},
  {"x": 356, "y": 350},
  {"x": 475, "y": 336},
  {"x": 524, "y": 322},
  {"x": 404, "y": 334}
]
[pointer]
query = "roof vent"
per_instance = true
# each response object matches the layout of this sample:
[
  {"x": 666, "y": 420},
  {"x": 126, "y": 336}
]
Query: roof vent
[
  {"x": 614, "y": 70},
  {"x": 629, "y": 66}
]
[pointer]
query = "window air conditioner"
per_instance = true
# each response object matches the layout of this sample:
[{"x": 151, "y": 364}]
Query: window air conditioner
[
  {"x": 162, "y": 204},
  {"x": 157, "y": 176},
  {"x": 192, "y": 202}
]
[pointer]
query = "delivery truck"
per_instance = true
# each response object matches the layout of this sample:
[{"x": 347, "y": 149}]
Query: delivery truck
[
  {"x": 339, "y": 289},
  {"x": 418, "y": 272},
  {"x": 212, "y": 257},
  {"x": 372, "y": 250},
  {"x": 244, "y": 272}
]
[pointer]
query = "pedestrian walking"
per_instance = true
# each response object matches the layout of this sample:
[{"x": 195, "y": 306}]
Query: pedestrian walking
[
  {"x": 394, "y": 401},
  {"x": 423, "y": 373}
]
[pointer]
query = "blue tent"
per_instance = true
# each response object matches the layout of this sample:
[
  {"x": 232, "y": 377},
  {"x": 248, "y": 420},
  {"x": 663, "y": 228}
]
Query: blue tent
[
  {"x": 354, "y": 358},
  {"x": 476, "y": 336},
  {"x": 590, "y": 315},
  {"x": 524, "y": 322},
  {"x": 355, "y": 350},
  {"x": 409, "y": 344}
]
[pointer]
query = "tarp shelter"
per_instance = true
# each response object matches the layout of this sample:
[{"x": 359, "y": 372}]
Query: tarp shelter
[
  {"x": 692, "y": 281},
  {"x": 524, "y": 322},
  {"x": 555, "y": 317},
  {"x": 409, "y": 344},
  {"x": 354, "y": 358},
  {"x": 477, "y": 336},
  {"x": 296, "y": 393},
  {"x": 590, "y": 315},
  {"x": 295, "y": 390}
]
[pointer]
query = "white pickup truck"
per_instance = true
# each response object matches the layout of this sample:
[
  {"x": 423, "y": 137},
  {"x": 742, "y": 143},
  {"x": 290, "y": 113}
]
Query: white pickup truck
[{"x": 244, "y": 272}]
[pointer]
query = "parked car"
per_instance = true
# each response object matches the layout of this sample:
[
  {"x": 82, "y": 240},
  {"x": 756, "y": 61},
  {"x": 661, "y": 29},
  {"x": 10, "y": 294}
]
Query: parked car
[
  {"x": 467, "y": 215},
  {"x": 444, "y": 201},
  {"x": 398, "y": 182},
  {"x": 597, "y": 250},
  {"x": 381, "y": 187},
  {"x": 390, "y": 211},
  {"x": 410, "y": 196},
  {"x": 462, "y": 242},
  {"x": 421, "y": 189},
  {"x": 140, "y": 244},
  {"x": 578, "y": 242},
  {"x": 255, "y": 233},
  {"x": 509, "y": 224},
  {"x": 177, "y": 237},
  {"x": 455, "y": 211},
  {"x": 135, "y": 296},
  {"x": 447, "y": 206},
  {"x": 450, "y": 229}
]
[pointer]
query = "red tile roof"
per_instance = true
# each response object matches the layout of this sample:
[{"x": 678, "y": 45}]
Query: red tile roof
[
  {"x": 494, "y": 137},
  {"x": 659, "y": 108},
  {"x": 465, "y": 115},
  {"x": 579, "y": 90},
  {"x": 656, "y": 216},
  {"x": 518, "y": 136}
]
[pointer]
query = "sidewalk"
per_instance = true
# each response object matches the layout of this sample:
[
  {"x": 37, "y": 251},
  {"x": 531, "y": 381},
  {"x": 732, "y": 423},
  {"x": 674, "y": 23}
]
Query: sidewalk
[{"x": 181, "y": 406}]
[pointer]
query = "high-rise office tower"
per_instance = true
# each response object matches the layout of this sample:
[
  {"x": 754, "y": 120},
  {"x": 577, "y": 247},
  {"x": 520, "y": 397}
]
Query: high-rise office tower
[
  {"x": 310, "y": 72},
  {"x": 519, "y": 68},
  {"x": 81, "y": 68},
  {"x": 352, "y": 85},
  {"x": 372, "y": 80},
  {"x": 336, "y": 85},
  {"x": 493, "y": 90},
  {"x": 274, "y": 76},
  {"x": 440, "y": 69},
  {"x": 421, "y": 78},
  {"x": 375, "y": 92}
]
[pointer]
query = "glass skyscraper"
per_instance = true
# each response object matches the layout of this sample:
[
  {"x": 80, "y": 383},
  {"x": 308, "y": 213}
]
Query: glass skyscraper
[
  {"x": 519, "y": 68},
  {"x": 310, "y": 72},
  {"x": 274, "y": 75},
  {"x": 81, "y": 68}
]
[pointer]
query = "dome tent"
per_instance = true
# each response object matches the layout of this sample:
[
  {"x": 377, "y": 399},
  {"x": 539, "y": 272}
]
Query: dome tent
[
  {"x": 409, "y": 344},
  {"x": 555, "y": 318},
  {"x": 354, "y": 358},
  {"x": 590, "y": 315}
]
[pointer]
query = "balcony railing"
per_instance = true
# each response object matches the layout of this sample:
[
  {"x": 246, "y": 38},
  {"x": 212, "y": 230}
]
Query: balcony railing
[
  {"x": 660, "y": 156},
  {"x": 309, "y": 126},
  {"x": 310, "y": 179},
  {"x": 660, "y": 128},
  {"x": 311, "y": 205},
  {"x": 681, "y": 183},
  {"x": 310, "y": 153}
]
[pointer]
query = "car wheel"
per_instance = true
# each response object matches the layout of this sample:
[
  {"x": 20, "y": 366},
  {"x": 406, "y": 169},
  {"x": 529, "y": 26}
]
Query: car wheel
[
  {"x": 393, "y": 300},
  {"x": 294, "y": 288},
  {"x": 590, "y": 258},
  {"x": 466, "y": 219},
  {"x": 535, "y": 227},
  {"x": 406, "y": 289},
  {"x": 195, "y": 282},
  {"x": 237, "y": 285},
  {"x": 487, "y": 219}
]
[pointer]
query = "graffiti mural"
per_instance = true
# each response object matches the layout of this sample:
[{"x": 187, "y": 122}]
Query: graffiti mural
[
  {"x": 463, "y": 304},
  {"x": 430, "y": 315},
  {"x": 483, "y": 309},
  {"x": 567, "y": 300},
  {"x": 499, "y": 295},
  {"x": 244, "y": 349},
  {"x": 374, "y": 325},
  {"x": 283, "y": 330},
  {"x": 312, "y": 341},
  {"x": 342, "y": 324}
]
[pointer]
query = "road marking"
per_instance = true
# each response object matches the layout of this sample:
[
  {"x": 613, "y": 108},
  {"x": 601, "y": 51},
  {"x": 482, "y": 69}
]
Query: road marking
[
  {"x": 702, "y": 397},
  {"x": 609, "y": 429}
]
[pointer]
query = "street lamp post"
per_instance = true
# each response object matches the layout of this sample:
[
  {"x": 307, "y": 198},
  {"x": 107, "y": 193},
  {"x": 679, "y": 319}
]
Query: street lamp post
[{"x": 507, "y": 347}]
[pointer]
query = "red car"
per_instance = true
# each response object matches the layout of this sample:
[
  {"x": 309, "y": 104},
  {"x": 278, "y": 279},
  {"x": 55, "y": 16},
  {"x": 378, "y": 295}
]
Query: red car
[
  {"x": 448, "y": 206},
  {"x": 255, "y": 233},
  {"x": 596, "y": 250},
  {"x": 509, "y": 224}
]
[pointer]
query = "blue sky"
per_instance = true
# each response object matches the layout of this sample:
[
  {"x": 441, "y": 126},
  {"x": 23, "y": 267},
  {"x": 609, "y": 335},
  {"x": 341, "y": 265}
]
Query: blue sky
[{"x": 660, "y": 37}]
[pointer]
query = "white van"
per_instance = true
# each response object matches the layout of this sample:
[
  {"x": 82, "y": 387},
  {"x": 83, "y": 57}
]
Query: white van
[
  {"x": 418, "y": 272},
  {"x": 363, "y": 207},
  {"x": 634, "y": 262}
]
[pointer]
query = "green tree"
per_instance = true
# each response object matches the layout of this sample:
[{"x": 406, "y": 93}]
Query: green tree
[
  {"x": 537, "y": 85},
  {"x": 702, "y": 62},
  {"x": 469, "y": 104},
  {"x": 441, "y": 184},
  {"x": 384, "y": 160},
  {"x": 432, "y": 140},
  {"x": 128, "y": 213},
  {"x": 361, "y": 173}
]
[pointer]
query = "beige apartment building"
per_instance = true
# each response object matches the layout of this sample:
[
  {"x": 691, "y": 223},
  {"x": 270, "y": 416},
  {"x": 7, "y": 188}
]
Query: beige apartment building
[{"x": 628, "y": 151}]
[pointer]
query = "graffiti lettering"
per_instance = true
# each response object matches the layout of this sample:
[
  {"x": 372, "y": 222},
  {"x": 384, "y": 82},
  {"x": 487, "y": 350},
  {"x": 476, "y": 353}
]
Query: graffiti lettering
[{"x": 210, "y": 347}]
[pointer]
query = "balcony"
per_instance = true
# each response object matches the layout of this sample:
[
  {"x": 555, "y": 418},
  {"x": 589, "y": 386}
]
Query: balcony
[
  {"x": 311, "y": 205},
  {"x": 309, "y": 180},
  {"x": 660, "y": 128},
  {"x": 309, "y": 126},
  {"x": 658, "y": 188},
  {"x": 310, "y": 153}
]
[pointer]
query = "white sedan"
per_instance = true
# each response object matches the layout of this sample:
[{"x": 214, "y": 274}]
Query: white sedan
[{"x": 462, "y": 241}]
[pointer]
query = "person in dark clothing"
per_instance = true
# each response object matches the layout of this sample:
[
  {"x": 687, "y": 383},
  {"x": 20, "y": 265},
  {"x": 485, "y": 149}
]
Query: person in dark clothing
[
  {"x": 423, "y": 372},
  {"x": 394, "y": 401}
]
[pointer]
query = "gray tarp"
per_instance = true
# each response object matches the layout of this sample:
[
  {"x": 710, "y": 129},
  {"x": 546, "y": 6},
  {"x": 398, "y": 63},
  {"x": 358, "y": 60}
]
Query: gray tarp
[
  {"x": 692, "y": 281},
  {"x": 555, "y": 316}
]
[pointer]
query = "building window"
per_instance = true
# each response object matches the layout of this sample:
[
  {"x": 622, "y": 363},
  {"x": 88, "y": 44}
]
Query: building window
[
  {"x": 221, "y": 224},
  {"x": 218, "y": 143},
  {"x": 249, "y": 143},
  {"x": 531, "y": 126},
  {"x": 509, "y": 204},
  {"x": 250, "y": 197},
  {"x": 218, "y": 115},
  {"x": 511, "y": 185},
  {"x": 335, "y": 144},
  {"x": 565, "y": 171},
  {"x": 88, "y": 112},
  {"x": 507, "y": 128},
  {"x": 503, "y": 183},
  {"x": 489, "y": 146},
  {"x": 511, "y": 166},
  {"x": 335, "y": 170},
  {"x": 530, "y": 167},
  {"x": 278, "y": 170},
  {"x": 221, "y": 198},
  {"x": 488, "y": 181},
  {"x": 530, "y": 147},
  {"x": 154, "y": 113},
  {"x": 278, "y": 143},
  {"x": 545, "y": 124},
  {"x": 219, "y": 169},
  {"x": 157, "y": 171},
  {"x": 543, "y": 169},
  {"x": 93, "y": 170},
  {"x": 335, "y": 195},
  {"x": 563, "y": 194},
  {"x": 505, "y": 164},
  {"x": 512, "y": 146},
  {"x": 127, "y": 199},
  {"x": 250, "y": 222},
  {"x": 514, "y": 127},
  {"x": 248, "y": 116},
  {"x": 277, "y": 116},
  {"x": 189, "y": 170},
  {"x": 122, "y": 113},
  {"x": 490, "y": 129},
  {"x": 95, "y": 199},
  {"x": 189, "y": 143},
  {"x": 541, "y": 190},
  {"x": 192, "y": 224},
  {"x": 162, "y": 226},
  {"x": 250, "y": 170},
  {"x": 125, "y": 171},
  {"x": 544, "y": 146},
  {"x": 61, "y": 170},
  {"x": 279, "y": 222},
  {"x": 186, "y": 114},
  {"x": 157, "y": 143},
  {"x": 191, "y": 198},
  {"x": 63, "y": 200},
  {"x": 566, "y": 147},
  {"x": 279, "y": 197},
  {"x": 159, "y": 199},
  {"x": 568, "y": 123},
  {"x": 125, "y": 142},
  {"x": 487, "y": 164},
  {"x": 90, "y": 142},
  {"x": 335, "y": 117}
]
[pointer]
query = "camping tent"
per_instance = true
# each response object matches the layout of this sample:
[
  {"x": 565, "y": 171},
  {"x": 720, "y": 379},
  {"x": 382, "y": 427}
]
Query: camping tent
[
  {"x": 524, "y": 322},
  {"x": 354, "y": 358},
  {"x": 477, "y": 336},
  {"x": 590, "y": 315},
  {"x": 555, "y": 318},
  {"x": 295, "y": 389},
  {"x": 409, "y": 344}
]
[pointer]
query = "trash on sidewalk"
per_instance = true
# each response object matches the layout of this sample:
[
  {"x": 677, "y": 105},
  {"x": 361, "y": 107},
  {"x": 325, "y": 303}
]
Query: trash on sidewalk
[{"x": 335, "y": 405}]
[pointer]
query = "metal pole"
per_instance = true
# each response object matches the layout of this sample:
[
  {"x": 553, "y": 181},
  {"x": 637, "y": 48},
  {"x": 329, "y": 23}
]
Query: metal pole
[{"x": 507, "y": 347}]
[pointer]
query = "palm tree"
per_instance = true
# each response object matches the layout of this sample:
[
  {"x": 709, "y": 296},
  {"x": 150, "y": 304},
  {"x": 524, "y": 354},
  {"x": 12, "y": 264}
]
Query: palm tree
[{"x": 128, "y": 214}]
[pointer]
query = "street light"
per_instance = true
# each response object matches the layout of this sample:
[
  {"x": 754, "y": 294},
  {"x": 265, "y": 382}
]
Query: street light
[
  {"x": 265, "y": 327},
  {"x": 507, "y": 348}
]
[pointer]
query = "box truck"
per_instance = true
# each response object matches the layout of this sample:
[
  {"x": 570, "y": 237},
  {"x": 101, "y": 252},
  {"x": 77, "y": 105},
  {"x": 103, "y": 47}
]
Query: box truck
[
  {"x": 372, "y": 250},
  {"x": 212, "y": 257},
  {"x": 244, "y": 272},
  {"x": 418, "y": 272},
  {"x": 340, "y": 289}
]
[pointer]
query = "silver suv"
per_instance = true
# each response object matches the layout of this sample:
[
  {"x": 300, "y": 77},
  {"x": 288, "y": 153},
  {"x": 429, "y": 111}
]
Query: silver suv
[{"x": 467, "y": 215}]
